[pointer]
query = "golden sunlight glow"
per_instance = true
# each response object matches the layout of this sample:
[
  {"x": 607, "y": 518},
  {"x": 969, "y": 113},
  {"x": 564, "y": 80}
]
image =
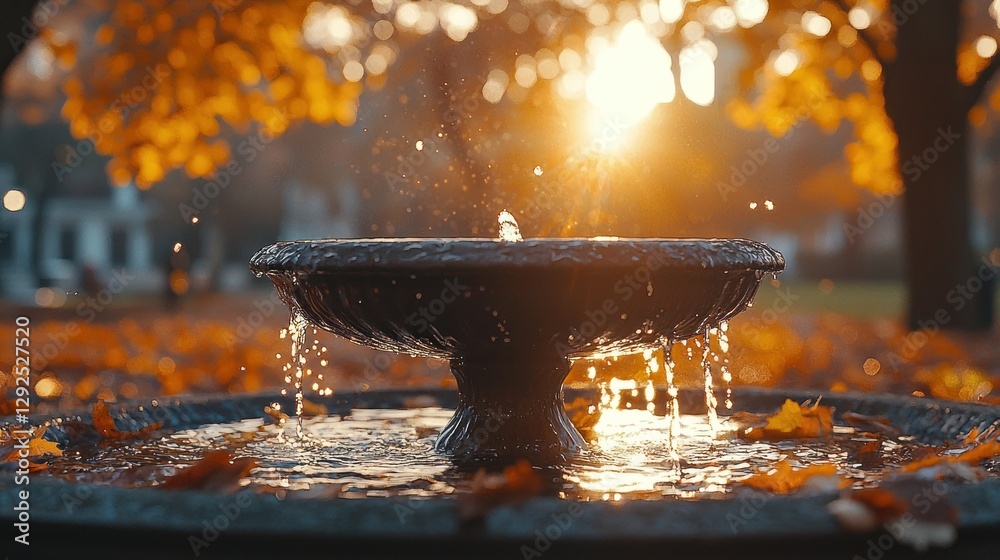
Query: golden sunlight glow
[
  {"x": 986, "y": 46},
  {"x": 859, "y": 18},
  {"x": 786, "y": 62},
  {"x": 697, "y": 62},
  {"x": 630, "y": 76},
  {"x": 750, "y": 12},
  {"x": 671, "y": 11},
  {"x": 816, "y": 24}
]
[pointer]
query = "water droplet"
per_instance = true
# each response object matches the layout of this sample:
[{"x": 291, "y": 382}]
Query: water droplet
[
  {"x": 538, "y": 170},
  {"x": 509, "y": 230}
]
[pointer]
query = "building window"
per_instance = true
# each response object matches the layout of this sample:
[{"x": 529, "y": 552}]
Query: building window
[
  {"x": 119, "y": 248},
  {"x": 67, "y": 244}
]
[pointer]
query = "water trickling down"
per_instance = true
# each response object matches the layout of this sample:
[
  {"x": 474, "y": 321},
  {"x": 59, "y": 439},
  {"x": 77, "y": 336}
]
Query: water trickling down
[
  {"x": 295, "y": 369},
  {"x": 674, "y": 412},
  {"x": 722, "y": 334},
  {"x": 710, "y": 401},
  {"x": 508, "y": 227}
]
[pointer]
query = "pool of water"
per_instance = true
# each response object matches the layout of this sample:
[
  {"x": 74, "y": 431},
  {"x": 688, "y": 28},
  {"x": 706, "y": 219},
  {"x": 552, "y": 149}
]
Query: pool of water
[{"x": 381, "y": 452}]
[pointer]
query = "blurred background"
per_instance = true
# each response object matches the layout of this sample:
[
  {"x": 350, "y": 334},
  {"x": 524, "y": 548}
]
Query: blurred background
[{"x": 149, "y": 149}]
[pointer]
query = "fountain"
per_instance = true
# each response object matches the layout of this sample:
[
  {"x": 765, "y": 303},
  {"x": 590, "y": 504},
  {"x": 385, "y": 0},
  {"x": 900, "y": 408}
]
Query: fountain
[{"x": 509, "y": 315}]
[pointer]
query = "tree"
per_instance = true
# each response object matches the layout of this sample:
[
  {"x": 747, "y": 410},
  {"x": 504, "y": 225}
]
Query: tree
[{"x": 905, "y": 73}]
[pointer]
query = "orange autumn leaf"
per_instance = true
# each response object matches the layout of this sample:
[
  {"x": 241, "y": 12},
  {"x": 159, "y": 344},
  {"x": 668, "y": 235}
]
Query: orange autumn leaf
[
  {"x": 785, "y": 479},
  {"x": 972, "y": 456},
  {"x": 217, "y": 471},
  {"x": 37, "y": 445},
  {"x": 515, "y": 484},
  {"x": 105, "y": 425},
  {"x": 794, "y": 421}
]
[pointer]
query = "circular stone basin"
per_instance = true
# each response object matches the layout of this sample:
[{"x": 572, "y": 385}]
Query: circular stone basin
[
  {"x": 68, "y": 519},
  {"x": 510, "y": 315}
]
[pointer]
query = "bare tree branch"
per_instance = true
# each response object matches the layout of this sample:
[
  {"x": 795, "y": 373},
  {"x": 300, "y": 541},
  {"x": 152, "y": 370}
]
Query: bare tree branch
[
  {"x": 976, "y": 89},
  {"x": 863, "y": 34}
]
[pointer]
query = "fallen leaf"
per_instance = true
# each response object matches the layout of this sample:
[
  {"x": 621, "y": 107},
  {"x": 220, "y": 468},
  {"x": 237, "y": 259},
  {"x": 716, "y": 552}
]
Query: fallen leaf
[
  {"x": 980, "y": 452},
  {"x": 425, "y": 431},
  {"x": 217, "y": 471},
  {"x": 792, "y": 421},
  {"x": 869, "y": 454},
  {"x": 782, "y": 478},
  {"x": 515, "y": 484},
  {"x": 310, "y": 409},
  {"x": 105, "y": 425},
  {"x": 274, "y": 415},
  {"x": 37, "y": 450},
  {"x": 875, "y": 424}
]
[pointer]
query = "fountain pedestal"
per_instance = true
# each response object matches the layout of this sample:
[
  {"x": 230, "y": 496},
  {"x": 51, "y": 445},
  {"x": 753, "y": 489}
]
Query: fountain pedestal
[
  {"x": 508, "y": 409},
  {"x": 510, "y": 315}
]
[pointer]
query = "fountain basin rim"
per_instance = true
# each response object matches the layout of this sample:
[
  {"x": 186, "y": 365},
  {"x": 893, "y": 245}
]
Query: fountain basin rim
[{"x": 395, "y": 254}]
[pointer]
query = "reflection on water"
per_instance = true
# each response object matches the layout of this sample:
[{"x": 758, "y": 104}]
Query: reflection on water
[{"x": 378, "y": 452}]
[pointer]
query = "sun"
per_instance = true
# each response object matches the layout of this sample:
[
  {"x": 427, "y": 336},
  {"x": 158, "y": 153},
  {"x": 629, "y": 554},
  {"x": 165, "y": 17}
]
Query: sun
[{"x": 631, "y": 75}]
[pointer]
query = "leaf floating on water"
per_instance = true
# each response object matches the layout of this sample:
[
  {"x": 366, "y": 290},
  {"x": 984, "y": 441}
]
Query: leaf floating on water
[
  {"x": 792, "y": 421},
  {"x": 782, "y": 478},
  {"x": 37, "y": 449},
  {"x": 874, "y": 424},
  {"x": 105, "y": 425},
  {"x": 973, "y": 456},
  {"x": 515, "y": 484},
  {"x": 217, "y": 471},
  {"x": 310, "y": 409}
]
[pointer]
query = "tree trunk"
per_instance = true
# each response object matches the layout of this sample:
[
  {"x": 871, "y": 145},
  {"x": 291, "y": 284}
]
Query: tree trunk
[{"x": 927, "y": 106}]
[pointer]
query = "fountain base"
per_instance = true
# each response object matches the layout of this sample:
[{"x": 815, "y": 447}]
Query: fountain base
[{"x": 508, "y": 410}]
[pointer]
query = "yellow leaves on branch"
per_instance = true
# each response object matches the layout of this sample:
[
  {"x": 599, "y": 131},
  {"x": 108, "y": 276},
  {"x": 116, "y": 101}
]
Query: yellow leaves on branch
[
  {"x": 782, "y": 478},
  {"x": 786, "y": 102},
  {"x": 792, "y": 421},
  {"x": 154, "y": 97}
]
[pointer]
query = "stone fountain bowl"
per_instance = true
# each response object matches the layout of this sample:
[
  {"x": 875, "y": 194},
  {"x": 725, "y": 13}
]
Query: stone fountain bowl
[{"x": 510, "y": 315}]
